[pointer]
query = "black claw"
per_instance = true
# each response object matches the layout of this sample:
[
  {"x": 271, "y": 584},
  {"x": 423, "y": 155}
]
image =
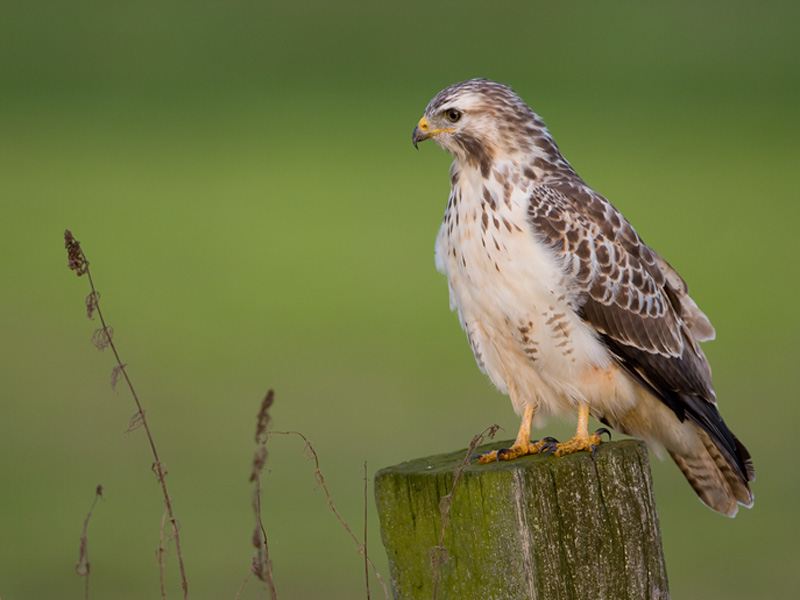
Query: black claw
[
  {"x": 603, "y": 430},
  {"x": 502, "y": 452},
  {"x": 550, "y": 447},
  {"x": 474, "y": 457}
]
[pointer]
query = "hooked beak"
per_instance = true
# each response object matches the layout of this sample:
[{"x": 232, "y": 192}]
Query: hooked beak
[{"x": 423, "y": 132}]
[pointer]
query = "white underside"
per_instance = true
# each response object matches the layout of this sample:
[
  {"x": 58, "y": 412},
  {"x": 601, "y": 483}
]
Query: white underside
[{"x": 522, "y": 285}]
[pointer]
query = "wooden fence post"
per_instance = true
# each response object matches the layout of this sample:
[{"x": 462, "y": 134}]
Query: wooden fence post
[{"x": 580, "y": 527}]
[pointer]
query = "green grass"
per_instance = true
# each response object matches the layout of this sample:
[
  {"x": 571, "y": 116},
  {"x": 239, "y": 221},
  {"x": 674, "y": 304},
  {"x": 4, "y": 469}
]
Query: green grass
[{"x": 242, "y": 179}]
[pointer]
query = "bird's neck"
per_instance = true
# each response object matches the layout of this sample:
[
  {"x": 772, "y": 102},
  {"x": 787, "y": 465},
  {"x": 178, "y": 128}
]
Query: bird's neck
[{"x": 540, "y": 163}]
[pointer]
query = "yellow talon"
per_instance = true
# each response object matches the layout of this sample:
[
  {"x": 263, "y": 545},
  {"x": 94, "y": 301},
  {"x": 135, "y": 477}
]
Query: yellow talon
[
  {"x": 522, "y": 446},
  {"x": 576, "y": 444},
  {"x": 515, "y": 451},
  {"x": 583, "y": 440}
]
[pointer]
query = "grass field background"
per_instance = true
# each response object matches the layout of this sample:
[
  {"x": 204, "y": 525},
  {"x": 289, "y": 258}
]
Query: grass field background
[{"x": 242, "y": 179}]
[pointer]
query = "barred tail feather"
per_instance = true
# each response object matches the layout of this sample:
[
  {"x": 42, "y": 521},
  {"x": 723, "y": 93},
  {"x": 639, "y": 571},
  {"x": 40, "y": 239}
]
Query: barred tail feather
[
  {"x": 715, "y": 463},
  {"x": 719, "y": 485}
]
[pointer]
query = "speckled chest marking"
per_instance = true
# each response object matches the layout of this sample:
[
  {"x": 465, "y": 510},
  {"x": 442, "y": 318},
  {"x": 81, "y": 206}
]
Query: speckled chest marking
[{"x": 510, "y": 292}]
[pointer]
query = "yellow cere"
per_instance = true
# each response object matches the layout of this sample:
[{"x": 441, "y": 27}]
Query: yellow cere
[{"x": 423, "y": 126}]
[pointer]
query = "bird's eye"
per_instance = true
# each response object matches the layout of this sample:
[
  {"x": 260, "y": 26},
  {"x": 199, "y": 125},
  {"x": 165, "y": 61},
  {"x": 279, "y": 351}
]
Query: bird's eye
[{"x": 452, "y": 115}]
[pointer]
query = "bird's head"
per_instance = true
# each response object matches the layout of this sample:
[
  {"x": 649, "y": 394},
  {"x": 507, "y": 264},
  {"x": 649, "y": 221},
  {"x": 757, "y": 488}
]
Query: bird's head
[{"x": 479, "y": 120}]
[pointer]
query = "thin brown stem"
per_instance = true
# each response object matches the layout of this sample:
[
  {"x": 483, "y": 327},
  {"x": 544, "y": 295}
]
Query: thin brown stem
[
  {"x": 321, "y": 479},
  {"x": 366, "y": 558},
  {"x": 79, "y": 263},
  {"x": 161, "y": 554},
  {"x": 83, "y": 567},
  {"x": 244, "y": 583},
  {"x": 439, "y": 555},
  {"x": 262, "y": 565},
  {"x": 264, "y": 547}
]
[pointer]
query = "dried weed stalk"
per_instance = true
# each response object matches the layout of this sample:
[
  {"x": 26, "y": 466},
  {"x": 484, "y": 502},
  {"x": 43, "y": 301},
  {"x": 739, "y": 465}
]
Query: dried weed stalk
[
  {"x": 366, "y": 559},
  {"x": 102, "y": 339},
  {"x": 262, "y": 566},
  {"x": 362, "y": 547},
  {"x": 161, "y": 553},
  {"x": 82, "y": 567},
  {"x": 438, "y": 553}
]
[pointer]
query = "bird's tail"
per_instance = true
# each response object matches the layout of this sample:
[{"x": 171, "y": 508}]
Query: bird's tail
[
  {"x": 713, "y": 460},
  {"x": 718, "y": 479}
]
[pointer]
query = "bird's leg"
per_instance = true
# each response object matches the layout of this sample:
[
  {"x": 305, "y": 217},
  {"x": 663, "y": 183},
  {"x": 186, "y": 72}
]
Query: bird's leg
[
  {"x": 522, "y": 445},
  {"x": 583, "y": 440}
]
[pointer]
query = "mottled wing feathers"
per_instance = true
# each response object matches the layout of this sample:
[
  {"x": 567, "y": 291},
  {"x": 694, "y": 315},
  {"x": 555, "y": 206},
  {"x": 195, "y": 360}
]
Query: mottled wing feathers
[
  {"x": 695, "y": 319},
  {"x": 623, "y": 287},
  {"x": 636, "y": 301}
]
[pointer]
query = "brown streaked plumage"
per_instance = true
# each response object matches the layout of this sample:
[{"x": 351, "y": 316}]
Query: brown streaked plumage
[{"x": 565, "y": 307}]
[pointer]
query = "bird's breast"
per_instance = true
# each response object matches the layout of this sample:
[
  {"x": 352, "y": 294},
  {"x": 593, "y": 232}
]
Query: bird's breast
[
  {"x": 511, "y": 290},
  {"x": 495, "y": 264}
]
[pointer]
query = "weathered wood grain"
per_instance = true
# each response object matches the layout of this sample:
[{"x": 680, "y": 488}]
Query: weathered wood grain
[{"x": 578, "y": 527}]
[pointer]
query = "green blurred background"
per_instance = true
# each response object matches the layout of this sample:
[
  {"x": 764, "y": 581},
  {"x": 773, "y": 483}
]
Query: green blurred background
[{"x": 242, "y": 179}]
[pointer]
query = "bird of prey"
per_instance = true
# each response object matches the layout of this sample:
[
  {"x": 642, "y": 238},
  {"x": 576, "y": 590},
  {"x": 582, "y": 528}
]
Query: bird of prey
[{"x": 566, "y": 309}]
